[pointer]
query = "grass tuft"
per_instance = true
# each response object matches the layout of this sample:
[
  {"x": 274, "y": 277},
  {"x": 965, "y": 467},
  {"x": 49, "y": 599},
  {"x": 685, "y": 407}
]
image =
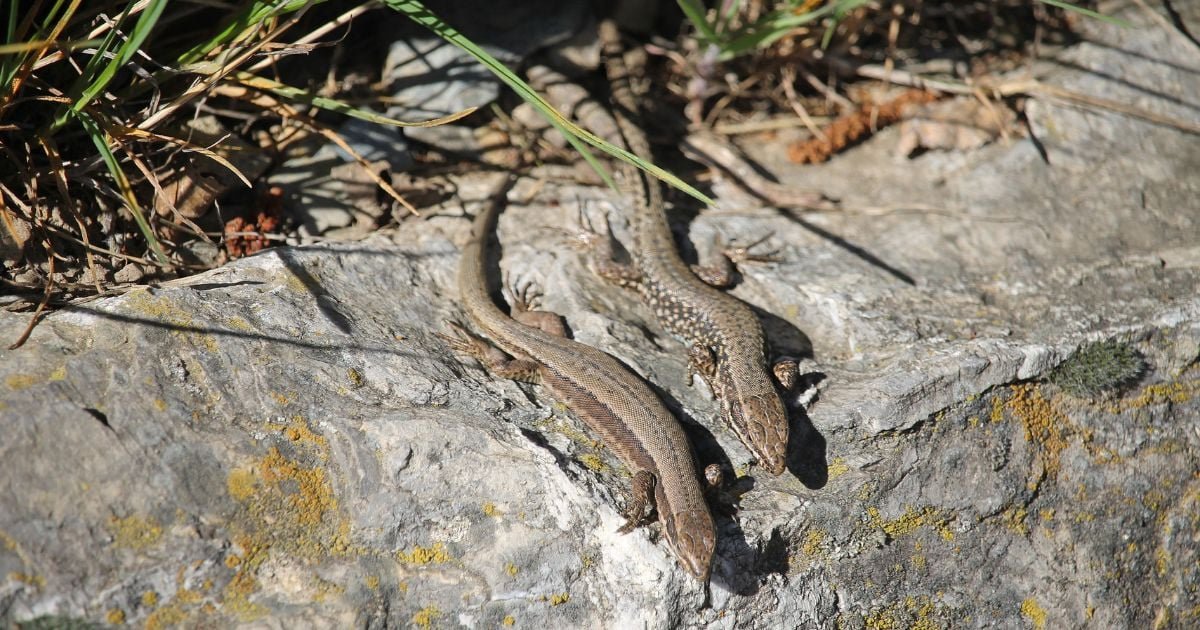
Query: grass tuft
[{"x": 1098, "y": 368}]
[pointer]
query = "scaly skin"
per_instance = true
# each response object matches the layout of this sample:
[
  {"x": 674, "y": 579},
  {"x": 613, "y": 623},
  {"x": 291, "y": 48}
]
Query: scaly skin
[
  {"x": 726, "y": 341},
  {"x": 613, "y": 401}
]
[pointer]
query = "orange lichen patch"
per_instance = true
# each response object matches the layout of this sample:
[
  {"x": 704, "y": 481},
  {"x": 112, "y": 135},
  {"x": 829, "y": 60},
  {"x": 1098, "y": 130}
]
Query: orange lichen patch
[
  {"x": 165, "y": 617},
  {"x": 292, "y": 504},
  {"x": 1034, "y": 613},
  {"x": 418, "y": 555},
  {"x": 285, "y": 507},
  {"x": 235, "y": 598},
  {"x": 134, "y": 532},
  {"x": 298, "y": 433},
  {"x": 1044, "y": 424}
]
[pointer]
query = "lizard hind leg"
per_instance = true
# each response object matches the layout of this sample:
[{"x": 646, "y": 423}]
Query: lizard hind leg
[
  {"x": 642, "y": 504},
  {"x": 494, "y": 359}
]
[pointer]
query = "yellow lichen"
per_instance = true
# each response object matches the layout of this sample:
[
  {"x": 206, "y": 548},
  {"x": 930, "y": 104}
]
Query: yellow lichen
[
  {"x": 997, "y": 414},
  {"x": 356, "y": 377},
  {"x": 134, "y": 532},
  {"x": 239, "y": 323},
  {"x": 160, "y": 404},
  {"x": 285, "y": 507},
  {"x": 509, "y": 620},
  {"x": 837, "y": 468},
  {"x": 59, "y": 374},
  {"x": 1176, "y": 392},
  {"x": 884, "y": 619},
  {"x": 511, "y": 569},
  {"x": 36, "y": 581},
  {"x": 149, "y": 599},
  {"x": 114, "y": 617},
  {"x": 558, "y": 599},
  {"x": 181, "y": 323},
  {"x": 593, "y": 462},
  {"x": 489, "y": 509},
  {"x": 21, "y": 381},
  {"x": 1014, "y": 519},
  {"x": 813, "y": 540},
  {"x": 165, "y": 617},
  {"x": 425, "y": 617},
  {"x": 1032, "y": 611},
  {"x": 418, "y": 555},
  {"x": 372, "y": 582}
]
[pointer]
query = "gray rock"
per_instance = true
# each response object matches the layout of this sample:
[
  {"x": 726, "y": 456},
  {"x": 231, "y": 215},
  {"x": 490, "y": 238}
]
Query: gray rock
[{"x": 284, "y": 441}]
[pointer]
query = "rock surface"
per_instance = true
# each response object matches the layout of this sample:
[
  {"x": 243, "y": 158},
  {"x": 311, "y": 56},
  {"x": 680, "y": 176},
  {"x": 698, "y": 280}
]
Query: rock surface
[{"x": 284, "y": 441}]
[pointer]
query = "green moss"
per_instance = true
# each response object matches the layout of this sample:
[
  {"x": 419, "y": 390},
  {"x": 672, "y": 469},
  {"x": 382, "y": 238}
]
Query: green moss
[{"x": 1097, "y": 368}]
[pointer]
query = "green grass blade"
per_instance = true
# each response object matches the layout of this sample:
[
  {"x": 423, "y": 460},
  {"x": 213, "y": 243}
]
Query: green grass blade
[
  {"x": 94, "y": 85},
  {"x": 237, "y": 24},
  {"x": 575, "y": 134},
  {"x": 697, "y": 14},
  {"x": 1088, "y": 12},
  {"x": 302, "y": 96},
  {"x": 100, "y": 139}
]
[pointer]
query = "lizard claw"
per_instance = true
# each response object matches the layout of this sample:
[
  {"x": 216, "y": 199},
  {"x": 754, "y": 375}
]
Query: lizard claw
[
  {"x": 525, "y": 295},
  {"x": 589, "y": 237},
  {"x": 742, "y": 254},
  {"x": 459, "y": 339}
]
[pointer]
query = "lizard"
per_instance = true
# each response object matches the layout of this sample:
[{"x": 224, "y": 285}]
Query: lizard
[
  {"x": 531, "y": 346},
  {"x": 727, "y": 346}
]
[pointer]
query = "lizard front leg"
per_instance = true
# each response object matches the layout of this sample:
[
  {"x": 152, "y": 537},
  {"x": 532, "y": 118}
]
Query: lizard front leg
[
  {"x": 722, "y": 272},
  {"x": 603, "y": 257},
  {"x": 523, "y": 311},
  {"x": 642, "y": 504}
]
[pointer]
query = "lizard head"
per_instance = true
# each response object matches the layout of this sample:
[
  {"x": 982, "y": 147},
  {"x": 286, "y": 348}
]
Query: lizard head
[
  {"x": 761, "y": 422},
  {"x": 692, "y": 536}
]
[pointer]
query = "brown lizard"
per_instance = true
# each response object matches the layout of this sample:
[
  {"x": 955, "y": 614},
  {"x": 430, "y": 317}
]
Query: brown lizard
[
  {"x": 727, "y": 345},
  {"x": 532, "y": 346}
]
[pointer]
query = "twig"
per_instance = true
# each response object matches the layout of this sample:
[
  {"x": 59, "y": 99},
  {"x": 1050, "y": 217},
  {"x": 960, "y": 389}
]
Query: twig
[{"x": 37, "y": 314}]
